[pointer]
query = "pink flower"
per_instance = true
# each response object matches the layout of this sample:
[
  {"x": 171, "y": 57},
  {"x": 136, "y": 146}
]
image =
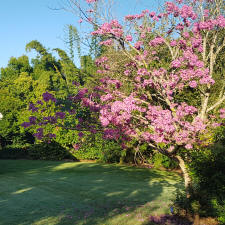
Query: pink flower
[
  {"x": 173, "y": 43},
  {"x": 176, "y": 63},
  {"x": 216, "y": 124},
  {"x": 222, "y": 110},
  {"x": 130, "y": 17},
  {"x": 107, "y": 42},
  {"x": 171, "y": 148},
  {"x": 186, "y": 35},
  {"x": 76, "y": 146},
  {"x": 156, "y": 41},
  {"x": 91, "y": 1},
  {"x": 180, "y": 26},
  {"x": 146, "y": 136},
  {"x": 104, "y": 121},
  {"x": 143, "y": 35},
  {"x": 193, "y": 84},
  {"x": 152, "y": 14},
  {"x": 221, "y": 21},
  {"x": 206, "y": 13},
  {"x": 138, "y": 44},
  {"x": 128, "y": 38},
  {"x": 222, "y": 113},
  {"x": 188, "y": 146},
  {"x": 127, "y": 72},
  {"x": 106, "y": 97}
]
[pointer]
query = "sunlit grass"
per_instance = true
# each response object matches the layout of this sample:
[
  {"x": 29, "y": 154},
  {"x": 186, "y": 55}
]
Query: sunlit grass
[{"x": 45, "y": 193}]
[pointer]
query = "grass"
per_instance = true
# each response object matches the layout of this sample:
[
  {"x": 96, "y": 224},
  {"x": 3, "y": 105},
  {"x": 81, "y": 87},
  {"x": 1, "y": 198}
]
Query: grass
[{"x": 49, "y": 193}]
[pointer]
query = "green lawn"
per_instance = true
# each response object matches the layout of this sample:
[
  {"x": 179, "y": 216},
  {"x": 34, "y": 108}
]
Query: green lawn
[{"x": 47, "y": 193}]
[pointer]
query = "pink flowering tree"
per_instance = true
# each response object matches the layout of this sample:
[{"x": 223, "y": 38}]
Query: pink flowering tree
[
  {"x": 149, "y": 111},
  {"x": 138, "y": 98}
]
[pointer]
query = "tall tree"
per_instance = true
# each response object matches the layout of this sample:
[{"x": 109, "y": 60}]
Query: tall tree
[{"x": 150, "y": 112}]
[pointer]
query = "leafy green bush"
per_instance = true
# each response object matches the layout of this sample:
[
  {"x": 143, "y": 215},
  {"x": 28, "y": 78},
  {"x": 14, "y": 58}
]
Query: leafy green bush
[
  {"x": 111, "y": 152},
  {"x": 49, "y": 151},
  {"x": 219, "y": 209},
  {"x": 41, "y": 151},
  {"x": 200, "y": 202},
  {"x": 97, "y": 148},
  {"x": 10, "y": 152},
  {"x": 208, "y": 193},
  {"x": 158, "y": 160}
]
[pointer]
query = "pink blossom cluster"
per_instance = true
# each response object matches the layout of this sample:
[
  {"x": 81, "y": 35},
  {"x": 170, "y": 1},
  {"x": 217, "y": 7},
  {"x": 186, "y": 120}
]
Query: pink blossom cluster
[
  {"x": 144, "y": 13},
  {"x": 222, "y": 113},
  {"x": 185, "y": 12},
  {"x": 159, "y": 125},
  {"x": 209, "y": 24},
  {"x": 156, "y": 41},
  {"x": 107, "y": 97},
  {"x": 100, "y": 61},
  {"x": 129, "y": 38},
  {"x": 138, "y": 45},
  {"x": 117, "y": 113},
  {"x": 168, "y": 128},
  {"x": 113, "y": 83},
  {"x": 107, "y": 42},
  {"x": 112, "y": 28},
  {"x": 195, "y": 76},
  {"x": 91, "y": 1},
  {"x": 143, "y": 72},
  {"x": 137, "y": 16},
  {"x": 127, "y": 72},
  {"x": 130, "y": 17}
]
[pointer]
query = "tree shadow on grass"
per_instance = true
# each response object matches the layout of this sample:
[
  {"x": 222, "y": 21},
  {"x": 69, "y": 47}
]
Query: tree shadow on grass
[
  {"x": 37, "y": 192},
  {"x": 38, "y": 151}
]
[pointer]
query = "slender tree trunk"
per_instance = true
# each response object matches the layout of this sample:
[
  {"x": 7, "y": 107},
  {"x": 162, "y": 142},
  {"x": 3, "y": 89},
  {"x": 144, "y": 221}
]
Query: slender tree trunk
[
  {"x": 205, "y": 101},
  {"x": 188, "y": 184},
  {"x": 187, "y": 178}
]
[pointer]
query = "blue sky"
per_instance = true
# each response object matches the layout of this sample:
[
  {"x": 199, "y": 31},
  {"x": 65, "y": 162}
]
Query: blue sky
[{"x": 22, "y": 21}]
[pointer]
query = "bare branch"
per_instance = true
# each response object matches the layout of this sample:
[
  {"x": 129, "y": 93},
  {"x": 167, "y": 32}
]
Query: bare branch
[{"x": 216, "y": 104}]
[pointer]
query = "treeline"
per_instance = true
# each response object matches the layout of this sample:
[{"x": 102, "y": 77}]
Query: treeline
[{"x": 23, "y": 82}]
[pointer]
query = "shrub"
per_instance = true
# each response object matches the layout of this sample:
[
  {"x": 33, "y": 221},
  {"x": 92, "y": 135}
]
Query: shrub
[
  {"x": 208, "y": 174},
  {"x": 41, "y": 151},
  {"x": 97, "y": 148},
  {"x": 10, "y": 152},
  {"x": 160, "y": 160},
  {"x": 49, "y": 151}
]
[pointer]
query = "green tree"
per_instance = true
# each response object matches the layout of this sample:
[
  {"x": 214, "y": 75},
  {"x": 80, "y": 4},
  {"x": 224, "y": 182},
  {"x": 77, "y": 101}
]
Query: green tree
[{"x": 15, "y": 67}]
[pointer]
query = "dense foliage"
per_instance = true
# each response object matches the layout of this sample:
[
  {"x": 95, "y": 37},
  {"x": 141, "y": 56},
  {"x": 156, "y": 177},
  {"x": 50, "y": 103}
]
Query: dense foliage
[{"x": 22, "y": 83}]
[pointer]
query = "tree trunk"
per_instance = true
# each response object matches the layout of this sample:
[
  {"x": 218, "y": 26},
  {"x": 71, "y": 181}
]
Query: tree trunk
[
  {"x": 187, "y": 179},
  {"x": 188, "y": 184}
]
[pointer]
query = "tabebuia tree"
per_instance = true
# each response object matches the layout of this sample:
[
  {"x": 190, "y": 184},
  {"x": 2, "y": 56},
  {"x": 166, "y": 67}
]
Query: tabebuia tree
[{"x": 163, "y": 56}]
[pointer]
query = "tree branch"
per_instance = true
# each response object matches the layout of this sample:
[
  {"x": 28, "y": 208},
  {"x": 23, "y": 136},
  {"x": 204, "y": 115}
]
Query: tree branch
[{"x": 216, "y": 104}]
